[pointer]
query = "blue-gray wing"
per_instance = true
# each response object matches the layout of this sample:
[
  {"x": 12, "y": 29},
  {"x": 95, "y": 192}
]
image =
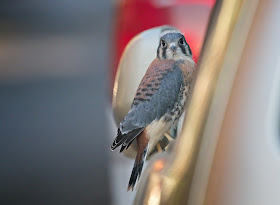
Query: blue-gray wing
[{"x": 157, "y": 97}]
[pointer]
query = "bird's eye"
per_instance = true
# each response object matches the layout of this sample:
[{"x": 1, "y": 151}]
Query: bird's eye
[
  {"x": 163, "y": 43},
  {"x": 181, "y": 41}
]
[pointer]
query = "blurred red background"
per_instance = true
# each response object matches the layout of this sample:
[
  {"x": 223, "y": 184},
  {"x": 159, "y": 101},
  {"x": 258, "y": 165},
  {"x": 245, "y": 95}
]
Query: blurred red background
[{"x": 135, "y": 16}]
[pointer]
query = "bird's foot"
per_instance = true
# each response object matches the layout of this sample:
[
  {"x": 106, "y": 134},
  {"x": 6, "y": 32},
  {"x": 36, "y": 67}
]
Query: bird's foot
[
  {"x": 168, "y": 137},
  {"x": 159, "y": 147}
]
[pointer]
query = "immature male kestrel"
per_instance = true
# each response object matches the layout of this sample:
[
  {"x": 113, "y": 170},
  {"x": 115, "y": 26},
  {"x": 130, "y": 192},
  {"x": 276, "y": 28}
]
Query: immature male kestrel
[{"x": 159, "y": 100}]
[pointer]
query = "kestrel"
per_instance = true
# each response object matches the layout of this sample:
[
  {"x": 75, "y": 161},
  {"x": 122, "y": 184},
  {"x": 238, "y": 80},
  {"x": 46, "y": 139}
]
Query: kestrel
[{"x": 159, "y": 100}]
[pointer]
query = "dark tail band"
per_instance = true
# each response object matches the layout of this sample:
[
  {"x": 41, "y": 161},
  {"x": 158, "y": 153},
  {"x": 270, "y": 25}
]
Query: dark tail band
[{"x": 137, "y": 170}]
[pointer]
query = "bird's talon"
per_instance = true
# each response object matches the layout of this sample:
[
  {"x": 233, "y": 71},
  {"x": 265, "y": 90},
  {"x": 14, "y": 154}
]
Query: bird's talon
[
  {"x": 159, "y": 147},
  {"x": 169, "y": 138}
]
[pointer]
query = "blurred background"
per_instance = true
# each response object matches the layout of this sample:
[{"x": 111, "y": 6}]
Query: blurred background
[
  {"x": 58, "y": 60},
  {"x": 53, "y": 78}
]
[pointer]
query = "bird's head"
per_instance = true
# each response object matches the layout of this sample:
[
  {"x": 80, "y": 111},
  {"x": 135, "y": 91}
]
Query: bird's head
[{"x": 173, "y": 45}]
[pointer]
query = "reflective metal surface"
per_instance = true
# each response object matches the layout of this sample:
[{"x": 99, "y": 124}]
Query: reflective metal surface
[{"x": 246, "y": 163}]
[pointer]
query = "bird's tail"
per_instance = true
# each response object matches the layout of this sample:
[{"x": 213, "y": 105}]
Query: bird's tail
[{"x": 137, "y": 169}]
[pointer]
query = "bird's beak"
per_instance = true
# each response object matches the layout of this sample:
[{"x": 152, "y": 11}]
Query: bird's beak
[{"x": 173, "y": 48}]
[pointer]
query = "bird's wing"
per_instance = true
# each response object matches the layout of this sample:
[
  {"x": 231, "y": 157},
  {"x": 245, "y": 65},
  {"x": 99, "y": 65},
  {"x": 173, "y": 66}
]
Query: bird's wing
[{"x": 156, "y": 95}]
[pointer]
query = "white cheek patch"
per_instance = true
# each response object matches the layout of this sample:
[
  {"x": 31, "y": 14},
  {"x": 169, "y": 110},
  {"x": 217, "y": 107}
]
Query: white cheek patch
[
  {"x": 169, "y": 53},
  {"x": 176, "y": 56}
]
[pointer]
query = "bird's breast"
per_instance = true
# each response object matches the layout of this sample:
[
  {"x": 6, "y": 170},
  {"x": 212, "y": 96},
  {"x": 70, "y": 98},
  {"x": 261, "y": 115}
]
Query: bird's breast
[{"x": 156, "y": 129}]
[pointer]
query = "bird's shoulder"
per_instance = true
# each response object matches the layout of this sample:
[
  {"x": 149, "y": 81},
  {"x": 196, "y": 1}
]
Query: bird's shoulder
[
  {"x": 152, "y": 79},
  {"x": 187, "y": 67},
  {"x": 156, "y": 72}
]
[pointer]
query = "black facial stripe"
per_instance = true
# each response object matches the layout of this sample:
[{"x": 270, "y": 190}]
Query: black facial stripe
[
  {"x": 183, "y": 49},
  {"x": 164, "y": 53},
  {"x": 158, "y": 51},
  {"x": 189, "y": 48}
]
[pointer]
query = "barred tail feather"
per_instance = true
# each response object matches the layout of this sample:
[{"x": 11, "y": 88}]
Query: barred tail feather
[{"x": 137, "y": 169}]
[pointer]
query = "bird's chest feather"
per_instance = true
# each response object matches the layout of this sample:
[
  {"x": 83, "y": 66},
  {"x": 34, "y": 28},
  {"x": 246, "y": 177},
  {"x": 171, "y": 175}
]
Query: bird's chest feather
[
  {"x": 155, "y": 130},
  {"x": 175, "y": 113}
]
